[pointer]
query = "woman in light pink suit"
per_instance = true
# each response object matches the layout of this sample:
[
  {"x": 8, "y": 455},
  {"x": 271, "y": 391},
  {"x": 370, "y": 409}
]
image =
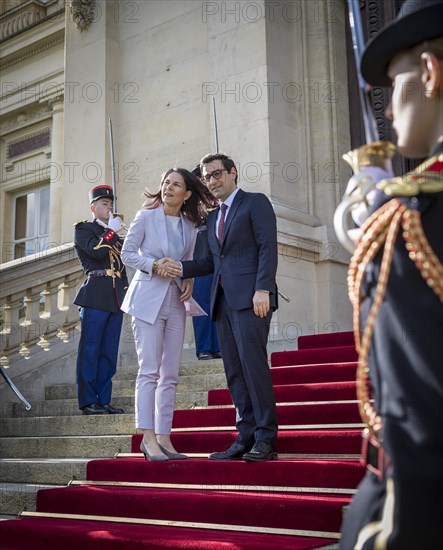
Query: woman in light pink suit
[{"x": 157, "y": 302}]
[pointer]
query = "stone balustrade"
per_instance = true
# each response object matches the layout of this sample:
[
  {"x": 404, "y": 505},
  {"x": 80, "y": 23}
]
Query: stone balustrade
[{"x": 36, "y": 299}]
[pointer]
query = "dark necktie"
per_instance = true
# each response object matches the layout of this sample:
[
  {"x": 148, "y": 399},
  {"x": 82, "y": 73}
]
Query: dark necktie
[{"x": 221, "y": 223}]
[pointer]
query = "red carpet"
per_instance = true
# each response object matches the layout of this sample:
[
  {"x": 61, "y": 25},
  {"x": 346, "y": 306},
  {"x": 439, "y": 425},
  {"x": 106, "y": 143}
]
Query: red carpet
[
  {"x": 53, "y": 534},
  {"x": 231, "y": 505},
  {"x": 328, "y": 441},
  {"x": 296, "y": 392},
  {"x": 280, "y": 473}
]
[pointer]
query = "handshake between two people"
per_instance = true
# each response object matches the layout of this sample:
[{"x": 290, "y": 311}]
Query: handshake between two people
[{"x": 167, "y": 267}]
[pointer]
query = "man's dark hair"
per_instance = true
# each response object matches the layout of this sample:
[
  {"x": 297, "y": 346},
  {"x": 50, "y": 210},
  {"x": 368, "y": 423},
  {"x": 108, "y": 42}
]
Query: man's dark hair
[{"x": 227, "y": 162}]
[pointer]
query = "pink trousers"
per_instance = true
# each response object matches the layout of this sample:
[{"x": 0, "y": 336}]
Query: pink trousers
[{"x": 159, "y": 347}]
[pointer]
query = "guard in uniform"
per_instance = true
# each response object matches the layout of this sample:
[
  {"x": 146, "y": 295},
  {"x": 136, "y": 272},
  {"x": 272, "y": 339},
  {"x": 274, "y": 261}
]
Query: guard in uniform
[
  {"x": 396, "y": 288},
  {"x": 98, "y": 248}
]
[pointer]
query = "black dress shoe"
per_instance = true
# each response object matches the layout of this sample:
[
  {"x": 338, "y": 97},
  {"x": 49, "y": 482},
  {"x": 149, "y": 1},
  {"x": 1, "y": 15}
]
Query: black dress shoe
[
  {"x": 217, "y": 355},
  {"x": 94, "y": 408},
  {"x": 235, "y": 452},
  {"x": 205, "y": 355},
  {"x": 260, "y": 452},
  {"x": 113, "y": 410}
]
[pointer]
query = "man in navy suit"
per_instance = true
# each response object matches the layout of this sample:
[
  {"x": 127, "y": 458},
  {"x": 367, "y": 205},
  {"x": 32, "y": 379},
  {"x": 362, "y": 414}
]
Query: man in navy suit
[
  {"x": 242, "y": 238},
  {"x": 397, "y": 296}
]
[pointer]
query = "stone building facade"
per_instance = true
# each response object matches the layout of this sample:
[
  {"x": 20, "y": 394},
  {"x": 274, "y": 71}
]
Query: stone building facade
[{"x": 277, "y": 70}]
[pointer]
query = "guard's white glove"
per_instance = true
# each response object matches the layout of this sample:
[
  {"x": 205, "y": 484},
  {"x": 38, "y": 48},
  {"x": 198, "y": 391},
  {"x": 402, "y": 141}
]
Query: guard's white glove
[
  {"x": 364, "y": 184},
  {"x": 114, "y": 222}
]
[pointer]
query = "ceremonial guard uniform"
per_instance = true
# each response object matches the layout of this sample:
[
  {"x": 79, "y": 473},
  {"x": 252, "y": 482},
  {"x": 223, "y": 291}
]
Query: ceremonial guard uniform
[
  {"x": 98, "y": 248},
  {"x": 396, "y": 287}
]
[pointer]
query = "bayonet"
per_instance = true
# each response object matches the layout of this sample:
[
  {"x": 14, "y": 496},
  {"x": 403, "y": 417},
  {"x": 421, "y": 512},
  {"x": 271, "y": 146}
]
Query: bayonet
[
  {"x": 114, "y": 183},
  {"x": 15, "y": 389},
  {"x": 214, "y": 114}
]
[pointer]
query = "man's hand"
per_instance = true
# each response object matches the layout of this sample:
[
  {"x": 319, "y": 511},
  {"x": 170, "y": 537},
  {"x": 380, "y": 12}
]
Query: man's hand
[
  {"x": 187, "y": 287},
  {"x": 114, "y": 222},
  {"x": 261, "y": 303},
  {"x": 167, "y": 267}
]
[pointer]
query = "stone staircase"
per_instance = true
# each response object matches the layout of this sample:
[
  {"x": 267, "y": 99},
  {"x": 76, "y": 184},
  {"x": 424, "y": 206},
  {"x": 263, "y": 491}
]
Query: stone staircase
[{"x": 51, "y": 444}]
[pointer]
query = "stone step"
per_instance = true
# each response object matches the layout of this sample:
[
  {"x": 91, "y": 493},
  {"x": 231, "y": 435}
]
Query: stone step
[
  {"x": 125, "y": 388},
  {"x": 129, "y": 356},
  {"x": 16, "y": 497},
  {"x": 47, "y": 471},
  {"x": 105, "y": 446},
  {"x": 212, "y": 366},
  {"x": 120, "y": 388},
  {"x": 124, "y": 380},
  {"x": 48, "y": 426},
  {"x": 69, "y": 407},
  {"x": 201, "y": 382}
]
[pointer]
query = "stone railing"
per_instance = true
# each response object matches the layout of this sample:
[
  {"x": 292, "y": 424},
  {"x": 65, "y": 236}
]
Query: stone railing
[{"x": 36, "y": 296}]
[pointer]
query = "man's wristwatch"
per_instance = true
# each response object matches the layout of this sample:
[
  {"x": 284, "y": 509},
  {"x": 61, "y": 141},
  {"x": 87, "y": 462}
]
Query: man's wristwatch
[{"x": 154, "y": 266}]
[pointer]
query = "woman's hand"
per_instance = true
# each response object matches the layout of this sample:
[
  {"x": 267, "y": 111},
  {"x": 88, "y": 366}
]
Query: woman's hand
[
  {"x": 187, "y": 287},
  {"x": 166, "y": 267}
]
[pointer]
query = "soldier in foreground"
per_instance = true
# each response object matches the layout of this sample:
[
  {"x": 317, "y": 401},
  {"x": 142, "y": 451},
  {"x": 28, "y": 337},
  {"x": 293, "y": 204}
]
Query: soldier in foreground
[{"x": 396, "y": 287}]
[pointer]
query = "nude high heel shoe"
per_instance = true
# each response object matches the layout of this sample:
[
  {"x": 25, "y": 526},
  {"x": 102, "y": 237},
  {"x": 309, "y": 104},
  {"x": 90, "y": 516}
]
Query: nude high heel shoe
[
  {"x": 171, "y": 455},
  {"x": 152, "y": 458}
]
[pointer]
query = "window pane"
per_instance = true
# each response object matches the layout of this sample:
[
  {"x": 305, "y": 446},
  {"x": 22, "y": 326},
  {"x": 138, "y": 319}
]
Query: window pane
[
  {"x": 20, "y": 217},
  {"x": 32, "y": 247},
  {"x": 43, "y": 243},
  {"x": 44, "y": 211},
  {"x": 30, "y": 220},
  {"x": 19, "y": 251}
]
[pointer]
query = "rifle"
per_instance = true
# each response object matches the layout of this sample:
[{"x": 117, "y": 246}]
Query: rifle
[
  {"x": 114, "y": 183},
  {"x": 113, "y": 178},
  {"x": 373, "y": 153}
]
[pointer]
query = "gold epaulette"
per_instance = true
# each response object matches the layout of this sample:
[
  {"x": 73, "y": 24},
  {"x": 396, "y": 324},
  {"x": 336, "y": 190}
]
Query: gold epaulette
[
  {"x": 81, "y": 221},
  {"x": 426, "y": 178}
]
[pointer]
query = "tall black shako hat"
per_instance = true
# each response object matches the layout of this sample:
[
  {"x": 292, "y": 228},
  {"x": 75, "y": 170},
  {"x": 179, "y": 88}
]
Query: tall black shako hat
[
  {"x": 417, "y": 21},
  {"x": 101, "y": 192}
]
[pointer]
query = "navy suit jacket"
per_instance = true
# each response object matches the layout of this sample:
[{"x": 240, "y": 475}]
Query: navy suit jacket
[{"x": 246, "y": 259}]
